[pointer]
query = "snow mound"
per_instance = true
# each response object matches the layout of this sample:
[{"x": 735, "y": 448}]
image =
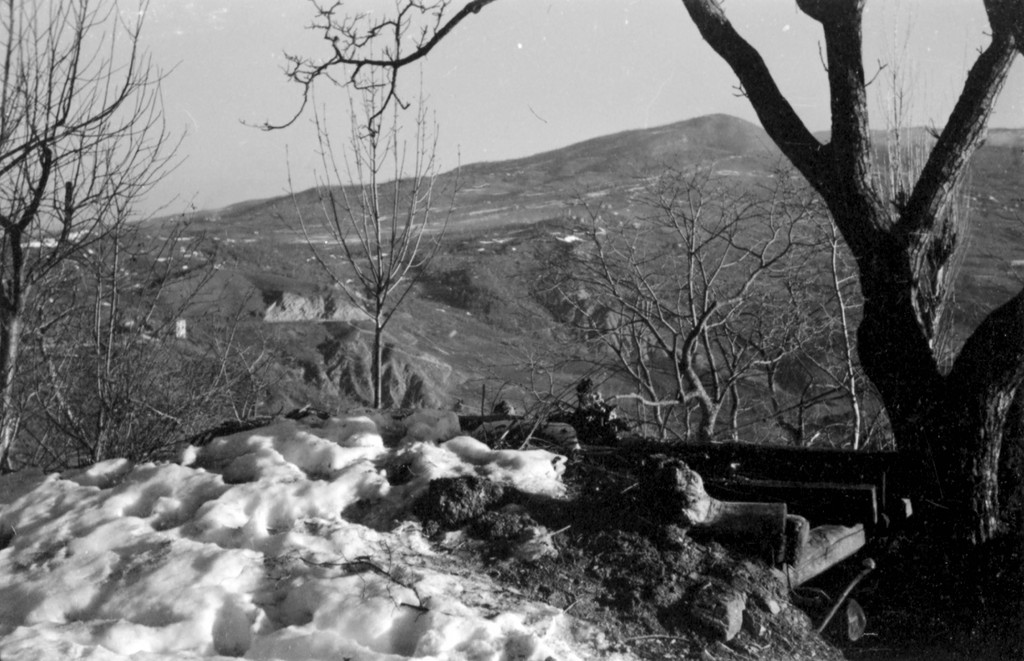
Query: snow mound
[{"x": 252, "y": 547}]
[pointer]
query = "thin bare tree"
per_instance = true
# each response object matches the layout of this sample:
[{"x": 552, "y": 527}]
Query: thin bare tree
[
  {"x": 114, "y": 375},
  {"x": 668, "y": 294},
  {"x": 378, "y": 202},
  {"x": 81, "y": 139}
]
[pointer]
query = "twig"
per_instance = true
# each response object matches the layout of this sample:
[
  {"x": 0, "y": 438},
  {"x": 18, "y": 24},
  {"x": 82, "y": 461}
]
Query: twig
[
  {"x": 422, "y": 609},
  {"x": 868, "y": 564},
  {"x": 653, "y": 637},
  {"x": 504, "y": 434},
  {"x": 531, "y": 433},
  {"x": 363, "y": 564}
]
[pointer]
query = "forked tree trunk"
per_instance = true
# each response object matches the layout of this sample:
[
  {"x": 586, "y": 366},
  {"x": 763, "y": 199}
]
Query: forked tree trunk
[{"x": 952, "y": 425}]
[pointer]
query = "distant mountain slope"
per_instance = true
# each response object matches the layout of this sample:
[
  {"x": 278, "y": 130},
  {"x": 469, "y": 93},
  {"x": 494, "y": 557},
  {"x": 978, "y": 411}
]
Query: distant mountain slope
[
  {"x": 532, "y": 188},
  {"x": 535, "y": 187},
  {"x": 704, "y": 138},
  {"x": 497, "y": 196}
]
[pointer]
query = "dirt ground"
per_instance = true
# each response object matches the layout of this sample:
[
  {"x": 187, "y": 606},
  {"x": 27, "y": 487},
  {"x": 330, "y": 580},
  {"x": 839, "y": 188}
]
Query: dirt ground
[
  {"x": 617, "y": 562},
  {"x": 929, "y": 603}
]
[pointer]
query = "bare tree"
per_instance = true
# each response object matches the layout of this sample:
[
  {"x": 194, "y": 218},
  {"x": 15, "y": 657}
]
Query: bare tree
[
  {"x": 952, "y": 421},
  {"x": 377, "y": 201},
  {"x": 905, "y": 244},
  {"x": 112, "y": 376},
  {"x": 669, "y": 295},
  {"x": 815, "y": 345},
  {"x": 841, "y": 278},
  {"x": 81, "y": 138}
]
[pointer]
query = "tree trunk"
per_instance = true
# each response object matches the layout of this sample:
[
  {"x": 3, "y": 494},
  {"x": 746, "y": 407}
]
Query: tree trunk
[
  {"x": 10, "y": 341},
  {"x": 980, "y": 389},
  {"x": 709, "y": 411},
  {"x": 1011, "y": 465},
  {"x": 377, "y": 366}
]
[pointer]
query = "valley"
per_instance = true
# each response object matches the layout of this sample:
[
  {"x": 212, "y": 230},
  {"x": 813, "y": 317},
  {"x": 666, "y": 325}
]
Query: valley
[{"x": 478, "y": 322}]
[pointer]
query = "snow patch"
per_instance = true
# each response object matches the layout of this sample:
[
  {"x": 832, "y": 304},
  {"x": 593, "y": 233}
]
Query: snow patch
[{"x": 258, "y": 545}]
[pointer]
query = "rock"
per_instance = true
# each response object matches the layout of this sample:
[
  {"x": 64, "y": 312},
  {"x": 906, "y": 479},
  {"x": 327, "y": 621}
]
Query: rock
[
  {"x": 720, "y": 608},
  {"x": 535, "y": 543},
  {"x": 505, "y": 408},
  {"x": 677, "y": 492},
  {"x": 561, "y": 433},
  {"x": 770, "y": 605},
  {"x": 754, "y": 623},
  {"x": 410, "y": 380},
  {"x": 292, "y": 307}
]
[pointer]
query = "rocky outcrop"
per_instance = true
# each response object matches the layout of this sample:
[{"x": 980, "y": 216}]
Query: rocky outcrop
[
  {"x": 411, "y": 379},
  {"x": 582, "y": 310},
  {"x": 291, "y": 307}
]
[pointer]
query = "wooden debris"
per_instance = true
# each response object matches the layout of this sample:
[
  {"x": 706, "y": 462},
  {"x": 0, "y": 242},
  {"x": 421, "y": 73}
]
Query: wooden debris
[
  {"x": 822, "y": 502},
  {"x": 868, "y": 565},
  {"x": 761, "y": 526},
  {"x": 787, "y": 464},
  {"x": 827, "y": 546},
  {"x": 775, "y": 462},
  {"x": 798, "y": 534},
  {"x": 856, "y": 621},
  {"x": 679, "y": 495}
]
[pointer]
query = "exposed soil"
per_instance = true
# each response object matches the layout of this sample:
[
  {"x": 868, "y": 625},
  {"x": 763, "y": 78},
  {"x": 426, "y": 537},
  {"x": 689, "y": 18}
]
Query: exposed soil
[{"x": 618, "y": 563}]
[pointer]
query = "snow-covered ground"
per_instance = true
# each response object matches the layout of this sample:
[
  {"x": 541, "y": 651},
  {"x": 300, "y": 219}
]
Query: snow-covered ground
[{"x": 286, "y": 542}]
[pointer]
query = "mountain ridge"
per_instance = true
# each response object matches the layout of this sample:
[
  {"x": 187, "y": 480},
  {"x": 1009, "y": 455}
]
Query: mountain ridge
[{"x": 703, "y": 137}]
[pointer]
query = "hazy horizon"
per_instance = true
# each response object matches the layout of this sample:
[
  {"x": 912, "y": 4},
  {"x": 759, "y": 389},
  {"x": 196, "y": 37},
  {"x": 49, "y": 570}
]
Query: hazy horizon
[{"x": 525, "y": 77}]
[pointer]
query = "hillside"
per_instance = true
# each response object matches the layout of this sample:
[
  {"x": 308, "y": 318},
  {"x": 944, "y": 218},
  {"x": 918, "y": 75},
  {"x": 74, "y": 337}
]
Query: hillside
[
  {"x": 476, "y": 311},
  {"x": 496, "y": 194}
]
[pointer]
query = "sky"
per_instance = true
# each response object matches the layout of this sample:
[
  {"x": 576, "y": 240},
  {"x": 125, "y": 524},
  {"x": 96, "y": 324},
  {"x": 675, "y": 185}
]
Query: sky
[{"x": 522, "y": 77}]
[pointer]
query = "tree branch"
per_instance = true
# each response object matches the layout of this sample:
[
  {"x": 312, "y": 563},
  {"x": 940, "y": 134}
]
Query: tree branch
[
  {"x": 851, "y": 139},
  {"x": 959, "y": 140},
  {"x": 776, "y": 114},
  {"x": 348, "y": 43}
]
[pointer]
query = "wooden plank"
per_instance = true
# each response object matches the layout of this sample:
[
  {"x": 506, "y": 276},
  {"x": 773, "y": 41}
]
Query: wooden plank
[
  {"x": 826, "y": 547},
  {"x": 773, "y": 462},
  {"x": 783, "y": 463},
  {"x": 758, "y": 527},
  {"x": 778, "y": 462},
  {"x": 821, "y": 502},
  {"x": 798, "y": 533}
]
